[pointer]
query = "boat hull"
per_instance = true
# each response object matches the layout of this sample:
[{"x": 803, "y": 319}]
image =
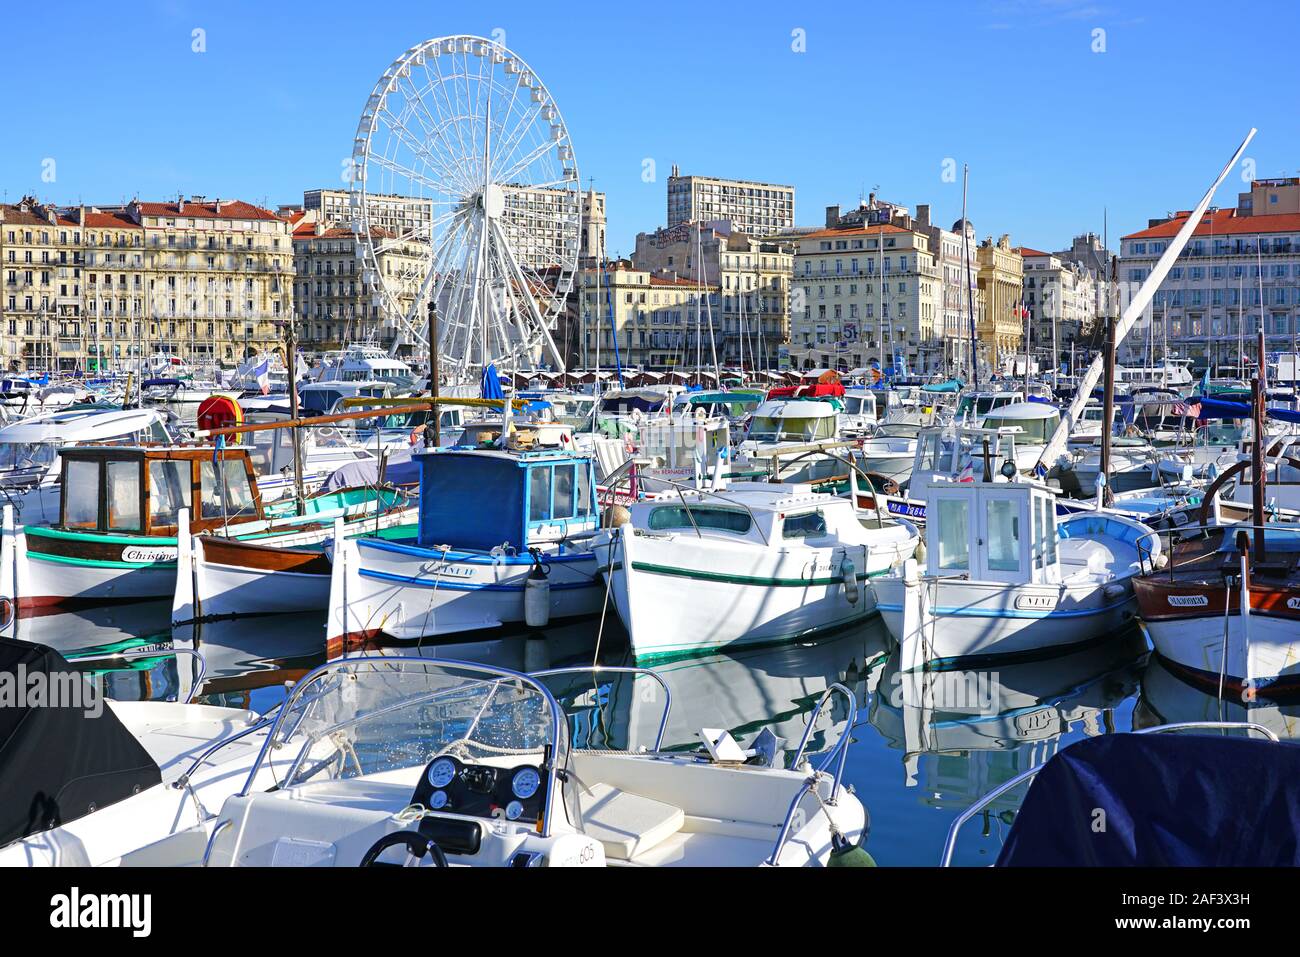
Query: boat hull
[
  {"x": 679, "y": 596},
  {"x": 1191, "y": 624},
  {"x": 403, "y": 592},
  {"x": 978, "y": 622}
]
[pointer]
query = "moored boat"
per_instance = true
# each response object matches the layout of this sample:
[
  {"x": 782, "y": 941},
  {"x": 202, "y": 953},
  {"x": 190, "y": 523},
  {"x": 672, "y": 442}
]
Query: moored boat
[
  {"x": 1007, "y": 579},
  {"x": 489, "y": 521},
  {"x": 753, "y": 563}
]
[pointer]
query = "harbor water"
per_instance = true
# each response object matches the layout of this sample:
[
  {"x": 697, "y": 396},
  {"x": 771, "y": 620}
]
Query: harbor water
[{"x": 924, "y": 746}]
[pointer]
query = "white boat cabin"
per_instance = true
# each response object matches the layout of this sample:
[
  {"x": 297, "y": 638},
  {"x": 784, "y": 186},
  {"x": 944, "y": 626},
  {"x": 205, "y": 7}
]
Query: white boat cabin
[
  {"x": 764, "y": 513},
  {"x": 992, "y": 531}
]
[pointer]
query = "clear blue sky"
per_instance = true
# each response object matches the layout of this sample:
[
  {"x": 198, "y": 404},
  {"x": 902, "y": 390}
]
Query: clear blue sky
[{"x": 883, "y": 95}]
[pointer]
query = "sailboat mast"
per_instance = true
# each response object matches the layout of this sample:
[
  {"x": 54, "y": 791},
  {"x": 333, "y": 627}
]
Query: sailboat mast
[{"x": 970, "y": 294}]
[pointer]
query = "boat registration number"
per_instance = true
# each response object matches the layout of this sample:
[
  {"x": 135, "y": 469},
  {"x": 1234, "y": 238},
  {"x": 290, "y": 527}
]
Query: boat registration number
[
  {"x": 1036, "y": 602},
  {"x": 145, "y": 555},
  {"x": 1188, "y": 601}
]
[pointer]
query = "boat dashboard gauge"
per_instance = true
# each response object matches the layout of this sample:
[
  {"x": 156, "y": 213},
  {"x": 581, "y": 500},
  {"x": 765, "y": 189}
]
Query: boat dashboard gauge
[{"x": 482, "y": 790}]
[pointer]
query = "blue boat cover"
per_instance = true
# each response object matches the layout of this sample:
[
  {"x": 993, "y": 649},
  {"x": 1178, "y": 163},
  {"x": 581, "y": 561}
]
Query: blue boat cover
[
  {"x": 1221, "y": 409},
  {"x": 1177, "y": 799}
]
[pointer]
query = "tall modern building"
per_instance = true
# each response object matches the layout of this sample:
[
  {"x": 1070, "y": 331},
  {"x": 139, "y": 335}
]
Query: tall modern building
[
  {"x": 404, "y": 216},
  {"x": 535, "y": 223},
  {"x": 757, "y": 209},
  {"x": 1241, "y": 268}
]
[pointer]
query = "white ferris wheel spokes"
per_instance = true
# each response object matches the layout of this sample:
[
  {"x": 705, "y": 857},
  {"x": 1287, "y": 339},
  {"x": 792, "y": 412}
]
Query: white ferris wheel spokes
[{"x": 466, "y": 195}]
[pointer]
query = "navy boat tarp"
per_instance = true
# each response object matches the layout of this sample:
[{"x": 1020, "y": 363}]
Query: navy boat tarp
[
  {"x": 1174, "y": 799},
  {"x": 58, "y": 764}
]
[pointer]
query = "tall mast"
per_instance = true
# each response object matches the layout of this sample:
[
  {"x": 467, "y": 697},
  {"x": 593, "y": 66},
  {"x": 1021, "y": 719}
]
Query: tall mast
[{"x": 970, "y": 294}]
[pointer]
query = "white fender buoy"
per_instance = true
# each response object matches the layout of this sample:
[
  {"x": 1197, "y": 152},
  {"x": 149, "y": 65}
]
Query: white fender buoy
[
  {"x": 537, "y": 598},
  {"x": 849, "y": 578}
]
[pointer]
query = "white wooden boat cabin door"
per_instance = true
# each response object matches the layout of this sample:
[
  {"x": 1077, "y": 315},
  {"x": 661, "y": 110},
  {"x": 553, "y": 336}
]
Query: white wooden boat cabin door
[{"x": 992, "y": 532}]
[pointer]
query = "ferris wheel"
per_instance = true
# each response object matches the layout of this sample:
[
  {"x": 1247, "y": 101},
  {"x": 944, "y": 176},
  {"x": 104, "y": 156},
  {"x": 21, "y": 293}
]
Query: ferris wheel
[{"x": 465, "y": 194}]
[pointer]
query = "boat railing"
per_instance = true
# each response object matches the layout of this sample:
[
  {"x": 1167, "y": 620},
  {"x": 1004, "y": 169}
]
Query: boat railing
[
  {"x": 678, "y": 488},
  {"x": 486, "y": 673},
  {"x": 1149, "y": 555},
  {"x": 121, "y": 656},
  {"x": 839, "y": 751},
  {"x": 950, "y": 843},
  {"x": 610, "y": 669}
]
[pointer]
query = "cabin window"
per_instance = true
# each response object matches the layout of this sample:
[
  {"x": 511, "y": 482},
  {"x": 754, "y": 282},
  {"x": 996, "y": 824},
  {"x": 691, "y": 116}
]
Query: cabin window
[
  {"x": 719, "y": 519},
  {"x": 124, "y": 495},
  {"x": 81, "y": 493},
  {"x": 954, "y": 538},
  {"x": 1003, "y": 517},
  {"x": 169, "y": 490},
  {"x": 563, "y": 503},
  {"x": 584, "y": 490},
  {"x": 231, "y": 498},
  {"x": 807, "y": 525},
  {"x": 539, "y": 494}
]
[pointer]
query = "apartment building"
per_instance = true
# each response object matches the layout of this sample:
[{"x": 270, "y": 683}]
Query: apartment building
[
  {"x": 864, "y": 293},
  {"x": 655, "y": 320},
  {"x": 1240, "y": 269},
  {"x": 753, "y": 276},
  {"x": 206, "y": 280}
]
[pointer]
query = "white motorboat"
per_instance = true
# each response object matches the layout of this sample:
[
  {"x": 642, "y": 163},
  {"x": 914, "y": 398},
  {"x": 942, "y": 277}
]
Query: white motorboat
[
  {"x": 1037, "y": 421},
  {"x": 754, "y": 563},
  {"x": 859, "y": 414},
  {"x": 1007, "y": 579},
  {"x": 362, "y": 362},
  {"x": 448, "y": 763},
  {"x": 783, "y": 429},
  {"x": 890, "y": 453}
]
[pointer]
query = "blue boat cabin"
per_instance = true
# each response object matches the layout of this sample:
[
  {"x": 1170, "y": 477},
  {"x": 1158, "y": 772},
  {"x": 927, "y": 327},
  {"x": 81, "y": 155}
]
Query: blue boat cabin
[{"x": 481, "y": 499}]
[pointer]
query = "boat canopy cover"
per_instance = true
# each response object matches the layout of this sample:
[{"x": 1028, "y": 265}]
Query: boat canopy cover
[
  {"x": 1219, "y": 409},
  {"x": 471, "y": 500},
  {"x": 952, "y": 385},
  {"x": 1177, "y": 799},
  {"x": 59, "y": 763}
]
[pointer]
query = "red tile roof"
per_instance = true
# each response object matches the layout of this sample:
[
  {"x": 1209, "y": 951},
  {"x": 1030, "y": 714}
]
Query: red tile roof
[
  {"x": 230, "y": 209},
  {"x": 1026, "y": 251},
  {"x": 676, "y": 281},
  {"x": 1223, "y": 222},
  {"x": 110, "y": 221}
]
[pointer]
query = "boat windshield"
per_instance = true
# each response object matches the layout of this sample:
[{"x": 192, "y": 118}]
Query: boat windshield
[
  {"x": 377, "y": 714},
  {"x": 1032, "y": 431},
  {"x": 27, "y": 455},
  {"x": 898, "y": 430},
  {"x": 766, "y": 428}
]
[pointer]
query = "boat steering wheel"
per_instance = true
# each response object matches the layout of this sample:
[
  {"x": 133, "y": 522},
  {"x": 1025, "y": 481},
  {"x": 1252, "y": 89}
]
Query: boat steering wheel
[{"x": 416, "y": 844}]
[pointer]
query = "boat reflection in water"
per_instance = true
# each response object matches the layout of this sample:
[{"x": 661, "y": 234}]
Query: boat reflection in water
[
  {"x": 133, "y": 631},
  {"x": 744, "y": 692},
  {"x": 1165, "y": 698},
  {"x": 965, "y": 732}
]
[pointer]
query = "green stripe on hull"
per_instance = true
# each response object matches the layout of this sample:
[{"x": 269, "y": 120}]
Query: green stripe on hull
[
  {"x": 741, "y": 579},
  {"x": 100, "y": 563},
  {"x": 662, "y": 655}
]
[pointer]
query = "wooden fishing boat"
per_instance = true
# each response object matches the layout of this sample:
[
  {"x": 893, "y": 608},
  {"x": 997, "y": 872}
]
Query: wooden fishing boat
[
  {"x": 497, "y": 529},
  {"x": 122, "y": 508}
]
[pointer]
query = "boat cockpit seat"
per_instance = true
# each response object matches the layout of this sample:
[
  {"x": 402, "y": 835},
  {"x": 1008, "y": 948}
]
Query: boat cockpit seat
[{"x": 626, "y": 824}]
